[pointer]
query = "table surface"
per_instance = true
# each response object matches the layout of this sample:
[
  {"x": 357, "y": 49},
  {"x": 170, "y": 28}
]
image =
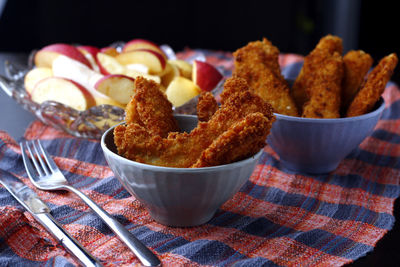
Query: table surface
[{"x": 14, "y": 120}]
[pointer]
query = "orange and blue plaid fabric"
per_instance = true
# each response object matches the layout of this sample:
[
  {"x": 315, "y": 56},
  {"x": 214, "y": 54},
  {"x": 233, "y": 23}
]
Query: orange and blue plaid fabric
[{"x": 277, "y": 218}]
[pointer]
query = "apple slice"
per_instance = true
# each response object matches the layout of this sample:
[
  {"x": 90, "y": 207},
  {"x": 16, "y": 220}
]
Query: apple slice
[
  {"x": 109, "y": 65},
  {"x": 71, "y": 69},
  {"x": 63, "y": 91},
  {"x": 141, "y": 44},
  {"x": 45, "y": 56},
  {"x": 117, "y": 87},
  {"x": 152, "y": 59},
  {"x": 181, "y": 90},
  {"x": 185, "y": 68},
  {"x": 90, "y": 52},
  {"x": 111, "y": 51},
  {"x": 34, "y": 76},
  {"x": 171, "y": 71},
  {"x": 205, "y": 75}
]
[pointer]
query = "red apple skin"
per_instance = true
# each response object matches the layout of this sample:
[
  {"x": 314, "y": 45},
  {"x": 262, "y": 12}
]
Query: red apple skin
[
  {"x": 63, "y": 49},
  {"x": 90, "y": 49},
  {"x": 111, "y": 51},
  {"x": 207, "y": 76},
  {"x": 158, "y": 55},
  {"x": 89, "y": 97},
  {"x": 112, "y": 76}
]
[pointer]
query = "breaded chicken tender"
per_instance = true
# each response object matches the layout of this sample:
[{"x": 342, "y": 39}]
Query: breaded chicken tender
[
  {"x": 183, "y": 150},
  {"x": 206, "y": 106},
  {"x": 373, "y": 87},
  {"x": 325, "y": 89},
  {"x": 356, "y": 65},
  {"x": 257, "y": 63},
  {"x": 150, "y": 108},
  {"x": 311, "y": 67},
  {"x": 241, "y": 140}
]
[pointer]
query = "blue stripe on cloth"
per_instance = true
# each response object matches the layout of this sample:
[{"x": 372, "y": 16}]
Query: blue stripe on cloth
[
  {"x": 256, "y": 262},
  {"x": 208, "y": 252},
  {"x": 336, "y": 211},
  {"x": 76, "y": 148},
  {"x": 333, "y": 244},
  {"x": 386, "y": 136},
  {"x": 265, "y": 228},
  {"x": 350, "y": 180},
  {"x": 393, "y": 112},
  {"x": 374, "y": 159},
  {"x": 10, "y": 258},
  {"x": 107, "y": 186}
]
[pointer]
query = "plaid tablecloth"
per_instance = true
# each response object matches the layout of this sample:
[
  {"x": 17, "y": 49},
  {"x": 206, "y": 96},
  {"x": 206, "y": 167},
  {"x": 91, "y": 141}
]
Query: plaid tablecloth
[{"x": 277, "y": 218}]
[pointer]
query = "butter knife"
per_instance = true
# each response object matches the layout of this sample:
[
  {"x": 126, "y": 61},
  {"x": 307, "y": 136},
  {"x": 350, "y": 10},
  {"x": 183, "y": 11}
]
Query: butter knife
[{"x": 31, "y": 202}]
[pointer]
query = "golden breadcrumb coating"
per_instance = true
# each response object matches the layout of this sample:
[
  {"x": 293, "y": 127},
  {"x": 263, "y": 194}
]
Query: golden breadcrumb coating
[
  {"x": 206, "y": 106},
  {"x": 150, "y": 108},
  {"x": 243, "y": 139},
  {"x": 373, "y": 87},
  {"x": 183, "y": 150},
  {"x": 311, "y": 67},
  {"x": 257, "y": 63},
  {"x": 356, "y": 65},
  {"x": 325, "y": 89}
]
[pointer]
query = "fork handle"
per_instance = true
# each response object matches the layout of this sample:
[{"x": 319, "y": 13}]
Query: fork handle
[
  {"x": 144, "y": 254},
  {"x": 70, "y": 243}
]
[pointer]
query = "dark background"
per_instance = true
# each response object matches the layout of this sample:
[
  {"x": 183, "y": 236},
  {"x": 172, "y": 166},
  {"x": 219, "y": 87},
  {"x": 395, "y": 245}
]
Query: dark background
[{"x": 293, "y": 26}]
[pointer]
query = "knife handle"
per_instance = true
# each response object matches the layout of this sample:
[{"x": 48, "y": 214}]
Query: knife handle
[{"x": 70, "y": 243}]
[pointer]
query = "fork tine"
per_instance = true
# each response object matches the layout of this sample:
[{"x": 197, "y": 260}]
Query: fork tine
[
  {"x": 50, "y": 162},
  {"x": 28, "y": 165},
  {"x": 33, "y": 159},
  {"x": 40, "y": 157}
]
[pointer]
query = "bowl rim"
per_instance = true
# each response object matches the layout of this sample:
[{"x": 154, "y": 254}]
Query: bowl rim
[
  {"x": 173, "y": 169},
  {"x": 375, "y": 112}
]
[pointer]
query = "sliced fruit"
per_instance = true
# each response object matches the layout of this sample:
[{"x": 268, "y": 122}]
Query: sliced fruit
[
  {"x": 46, "y": 56},
  {"x": 185, "y": 68},
  {"x": 171, "y": 71},
  {"x": 152, "y": 59},
  {"x": 109, "y": 65},
  {"x": 71, "y": 69},
  {"x": 141, "y": 44},
  {"x": 34, "y": 76},
  {"x": 90, "y": 52},
  {"x": 117, "y": 87},
  {"x": 180, "y": 90},
  {"x": 205, "y": 75},
  {"x": 138, "y": 67},
  {"x": 63, "y": 91},
  {"x": 111, "y": 51}
]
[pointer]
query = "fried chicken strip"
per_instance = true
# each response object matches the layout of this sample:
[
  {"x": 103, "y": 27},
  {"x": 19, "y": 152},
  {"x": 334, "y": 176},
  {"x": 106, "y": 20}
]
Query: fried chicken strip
[
  {"x": 182, "y": 150},
  {"x": 373, "y": 87},
  {"x": 241, "y": 140},
  {"x": 206, "y": 106},
  {"x": 356, "y": 65},
  {"x": 325, "y": 89},
  {"x": 311, "y": 67},
  {"x": 257, "y": 63},
  {"x": 150, "y": 108}
]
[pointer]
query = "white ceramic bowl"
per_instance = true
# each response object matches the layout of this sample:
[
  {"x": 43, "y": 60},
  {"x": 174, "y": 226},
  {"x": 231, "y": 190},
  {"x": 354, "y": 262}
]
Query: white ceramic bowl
[
  {"x": 178, "y": 196},
  {"x": 307, "y": 145}
]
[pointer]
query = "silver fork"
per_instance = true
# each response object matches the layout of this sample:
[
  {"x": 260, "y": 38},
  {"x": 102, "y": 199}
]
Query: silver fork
[{"x": 44, "y": 174}]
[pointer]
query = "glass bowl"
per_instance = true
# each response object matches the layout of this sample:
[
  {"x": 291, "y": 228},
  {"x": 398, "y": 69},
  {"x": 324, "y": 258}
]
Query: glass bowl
[{"x": 91, "y": 123}]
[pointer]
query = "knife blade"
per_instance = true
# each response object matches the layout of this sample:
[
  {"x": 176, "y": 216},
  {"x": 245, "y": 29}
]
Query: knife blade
[{"x": 32, "y": 203}]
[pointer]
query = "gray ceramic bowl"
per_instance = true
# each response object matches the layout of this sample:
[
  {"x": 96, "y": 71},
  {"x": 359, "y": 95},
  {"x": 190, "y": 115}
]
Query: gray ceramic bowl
[
  {"x": 178, "y": 196},
  {"x": 318, "y": 145}
]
